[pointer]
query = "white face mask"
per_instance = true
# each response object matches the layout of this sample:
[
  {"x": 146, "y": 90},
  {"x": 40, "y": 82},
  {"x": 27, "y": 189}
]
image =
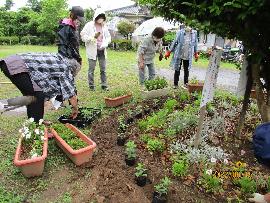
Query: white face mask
[
  {"x": 100, "y": 21},
  {"x": 156, "y": 39}
]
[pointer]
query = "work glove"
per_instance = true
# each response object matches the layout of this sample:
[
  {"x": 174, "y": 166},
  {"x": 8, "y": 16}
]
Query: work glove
[
  {"x": 196, "y": 56},
  {"x": 167, "y": 54},
  {"x": 258, "y": 198}
]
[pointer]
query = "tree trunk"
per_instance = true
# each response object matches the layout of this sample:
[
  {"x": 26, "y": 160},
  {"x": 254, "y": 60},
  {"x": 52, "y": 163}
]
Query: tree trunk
[
  {"x": 245, "y": 102},
  {"x": 264, "y": 109}
]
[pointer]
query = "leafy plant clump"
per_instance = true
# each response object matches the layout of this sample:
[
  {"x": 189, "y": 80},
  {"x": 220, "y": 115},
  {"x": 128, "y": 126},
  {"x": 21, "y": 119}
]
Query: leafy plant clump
[
  {"x": 194, "y": 81},
  {"x": 163, "y": 187},
  {"x": 69, "y": 137},
  {"x": 211, "y": 183},
  {"x": 180, "y": 167},
  {"x": 145, "y": 138},
  {"x": 247, "y": 185},
  {"x": 155, "y": 145},
  {"x": 170, "y": 105},
  {"x": 32, "y": 135},
  {"x": 141, "y": 171},
  {"x": 155, "y": 84},
  {"x": 117, "y": 93},
  {"x": 130, "y": 150}
]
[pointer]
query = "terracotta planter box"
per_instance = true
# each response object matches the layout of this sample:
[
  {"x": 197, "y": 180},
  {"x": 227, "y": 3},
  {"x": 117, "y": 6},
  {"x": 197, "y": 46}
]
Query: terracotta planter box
[
  {"x": 35, "y": 166},
  {"x": 155, "y": 93},
  {"x": 195, "y": 87},
  {"x": 113, "y": 102},
  {"x": 79, "y": 156}
]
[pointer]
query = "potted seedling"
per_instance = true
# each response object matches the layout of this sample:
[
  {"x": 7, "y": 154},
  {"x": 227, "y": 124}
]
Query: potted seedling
[
  {"x": 155, "y": 88},
  {"x": 161, "y": 191},
  {"x": 122, "y": 126},
  {"x": 129, "y": 118},
  {"x": 130, "y": 153},
  {"x": 141, "y": 175},
  {"x": 85, "y": 117},
  {"x": 117, "y": 98},
  {"x": 194, "y": 85},
  {"x": 77, "y": 146},
  {"x": 121, "y": 139},
  {"x": 139, "y": 112},
  {"x": 31, "y": 151}
]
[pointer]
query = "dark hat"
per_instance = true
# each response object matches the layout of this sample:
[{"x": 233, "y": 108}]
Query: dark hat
[{"x": 79, "y": 12}]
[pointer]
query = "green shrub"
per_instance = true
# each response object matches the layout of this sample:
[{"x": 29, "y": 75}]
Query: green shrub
[
  {"x": 155, "y": 84},
  {"x": 180, "y": 167},
  {"x": 122, "y": 45},
  {"x": 9, "y": 40},
  {"x": 169, "y": 37},
  {"x": 155, "y": 145}
]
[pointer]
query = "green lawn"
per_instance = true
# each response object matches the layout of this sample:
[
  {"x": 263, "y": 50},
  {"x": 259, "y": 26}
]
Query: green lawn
[{"x": 121, "y": 69}]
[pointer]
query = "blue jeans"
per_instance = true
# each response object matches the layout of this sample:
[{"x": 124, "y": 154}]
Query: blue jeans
[{"x": 151, "y": 73}]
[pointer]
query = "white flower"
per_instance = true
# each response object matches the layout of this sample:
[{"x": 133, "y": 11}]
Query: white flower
[
  {"x": 28, "y": 135},
  {"x": 34, "y": 155},
  {"x": 213, "y": 160},
  {"x": 242, "y": 152},
  {"x": 26, "y": 130},
  {"x": 209, "y": 172},
  {"x": 40, "y": 121},
  {"x": 21, "y": 130},
  {"x": 31, "y": 120},
  {"x": 37, "y": 131},
  {"x": 226, "y": 161},
  {"x": 42, "y": 138}
]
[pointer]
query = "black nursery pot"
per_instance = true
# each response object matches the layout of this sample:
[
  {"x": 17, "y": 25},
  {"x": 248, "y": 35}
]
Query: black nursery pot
[
  {"x": 130, "y": 162},
  {"x": 141, "y": 181},
  {"x": 138, "y": 115},
  {"x": 159, "y": 198},
  {"x": 147, "y": 110},
  {"x": 129, "y": 120},
  {"x": 121, "y": 141}
]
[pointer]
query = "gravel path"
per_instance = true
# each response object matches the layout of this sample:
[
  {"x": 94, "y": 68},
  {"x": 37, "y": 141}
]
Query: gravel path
[{"x": 227, "y": 79}]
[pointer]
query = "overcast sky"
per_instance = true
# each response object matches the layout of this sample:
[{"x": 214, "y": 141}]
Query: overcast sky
[{"x": 105, "y": 4}]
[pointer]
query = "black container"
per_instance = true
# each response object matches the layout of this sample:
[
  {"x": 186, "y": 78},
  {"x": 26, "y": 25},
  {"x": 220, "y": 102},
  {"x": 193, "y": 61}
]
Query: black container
[
  {"x": 147, "y": 111},
  {"x": 129, "y": 120},
  {"x": 159, "y": 198},
  {"x": 130, "y": 162},
  {"x": 81, "y": 121},
  {"x": 141, "y": 181},
  {"x": 139, "y": 115},
  {"x": 121, "y": 141}
]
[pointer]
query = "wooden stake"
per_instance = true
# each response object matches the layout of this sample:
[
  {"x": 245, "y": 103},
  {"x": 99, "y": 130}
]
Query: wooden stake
[
  {"x": 5, "y": 82},
  {"x": 199, "y": 131}
]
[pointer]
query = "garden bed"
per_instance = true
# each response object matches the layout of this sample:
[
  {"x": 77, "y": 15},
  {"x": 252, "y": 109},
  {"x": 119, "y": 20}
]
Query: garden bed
[{"x": 111, "y": 158}]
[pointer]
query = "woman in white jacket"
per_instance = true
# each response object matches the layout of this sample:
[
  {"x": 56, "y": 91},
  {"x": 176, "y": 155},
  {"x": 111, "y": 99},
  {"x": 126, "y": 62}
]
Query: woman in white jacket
[{"x": 96, "y": 36}]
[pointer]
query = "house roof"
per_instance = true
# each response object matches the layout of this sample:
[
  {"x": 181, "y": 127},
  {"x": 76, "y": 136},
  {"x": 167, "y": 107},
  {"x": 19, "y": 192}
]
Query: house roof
[{"x": 129, "y": 10}]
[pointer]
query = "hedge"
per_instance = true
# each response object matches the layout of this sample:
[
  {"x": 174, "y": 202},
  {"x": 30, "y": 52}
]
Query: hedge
[
  {"x": 121, "y": 45},
  {"x": 9, "y": 40}
]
